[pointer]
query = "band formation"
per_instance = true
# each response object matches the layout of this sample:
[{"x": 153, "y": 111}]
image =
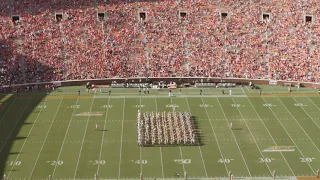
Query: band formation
[{"x": 165, "y": 129}]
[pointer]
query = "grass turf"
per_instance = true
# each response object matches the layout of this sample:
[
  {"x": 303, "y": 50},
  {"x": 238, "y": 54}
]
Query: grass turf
[{"x": 42, "y": 135}]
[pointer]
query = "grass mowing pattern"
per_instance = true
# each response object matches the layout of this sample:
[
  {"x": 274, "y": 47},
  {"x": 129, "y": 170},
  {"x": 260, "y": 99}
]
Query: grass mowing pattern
[{"x": 52, "y": 140}]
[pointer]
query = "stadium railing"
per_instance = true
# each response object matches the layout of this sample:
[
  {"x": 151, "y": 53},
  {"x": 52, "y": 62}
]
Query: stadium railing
[{"x": 178, "y": 80}]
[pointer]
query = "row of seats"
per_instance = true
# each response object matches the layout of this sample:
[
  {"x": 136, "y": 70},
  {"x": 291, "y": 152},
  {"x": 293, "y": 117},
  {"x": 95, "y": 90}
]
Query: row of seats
[{"x": 159, "y": 38}]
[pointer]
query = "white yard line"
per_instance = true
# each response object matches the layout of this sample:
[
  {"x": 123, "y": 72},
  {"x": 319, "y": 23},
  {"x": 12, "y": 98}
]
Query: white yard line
[
  {"x": 64, "y": 139},
  {"x": 184, "y": 170},
  {"x": 243, "y": 91},
  {"x": 271, "y": 137},
  {"x": 45, "y": 140},
  {"x": 313, "y": 103},
  {"x": 140, "y": 146},
  {"x": 215, "y": 136},
  {"x": 14, "y": 127},
  {"x": 289, "y": 135},
  {"x": 299, "y": 124},
  {"x": 252, "y": 136},
  {"x": 124, "y": 105},
  {"x": 307, "y": 114},
  {"x": 84, "y": 135},
  {"x": 24, "y": 142},
  {"x": 104, "y": 128},
  {"x": 234, "y": 138},
  {"x": 204, "y": 165},
  {"x": 160, "y": 146}
]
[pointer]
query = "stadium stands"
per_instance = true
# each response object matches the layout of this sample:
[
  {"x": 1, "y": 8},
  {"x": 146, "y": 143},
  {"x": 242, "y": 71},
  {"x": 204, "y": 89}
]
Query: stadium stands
[{"x": 66, "y": 40}]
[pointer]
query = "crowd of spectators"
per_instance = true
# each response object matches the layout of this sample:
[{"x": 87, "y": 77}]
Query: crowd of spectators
[{"x": 82, "y": 39}]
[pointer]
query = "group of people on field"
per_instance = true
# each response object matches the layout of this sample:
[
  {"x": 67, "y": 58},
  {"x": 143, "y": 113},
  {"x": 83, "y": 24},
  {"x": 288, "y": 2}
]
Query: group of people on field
[{"x": 165, "y": 128}]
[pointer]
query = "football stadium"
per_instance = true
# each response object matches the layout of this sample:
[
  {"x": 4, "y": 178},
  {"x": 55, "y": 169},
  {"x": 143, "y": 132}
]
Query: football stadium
[{"x": 159, "y": 89}]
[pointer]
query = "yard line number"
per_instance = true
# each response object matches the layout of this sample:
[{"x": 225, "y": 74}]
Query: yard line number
[
  {"x": 299, "y": 104},
  {"x": 97, "y": 162},
  {"x": 172, "y": 106},
  {"x": 14, "y": 163},
  {"x": 183, "y": 161},
  {"x": 237, "y": 105},
  {"x": 107, "y": 106},
  {"x": 139, "y": 161},
  {"x": 225, "y": 160},
  {"x": 41, "y": 106},
  {"x": 139, "y": 106},
  {"x": 265, "y": 160},
  {"x": 306, "y": 159},
  {"x": 268, "y": 105},
  {"x": 55, "y": 163},
  {"x": 75, "y": 106}
]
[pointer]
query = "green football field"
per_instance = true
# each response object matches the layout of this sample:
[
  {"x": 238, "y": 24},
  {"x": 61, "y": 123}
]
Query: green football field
[{"x": 55, "y": 134}]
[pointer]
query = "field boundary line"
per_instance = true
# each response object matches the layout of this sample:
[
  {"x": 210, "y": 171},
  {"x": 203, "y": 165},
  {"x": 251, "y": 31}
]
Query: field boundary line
[
  {"x": 204, "y": 165},
  {"x": 155, "y": 99},
  {"x": 234, "y": 137},
  {"x": 184, "y": 170},
  {"x": 84, "y": 136},
  {"x": 215, "y": 136},
  {"x": 288, "y": 134},
  {"x": 45, "y": 139},
  {"x": 307, "y": 113},
  {"x": 14, "y": 127},
  {"x": 298, "y": 123},
  {"x": 24, "y": 142},
  {"x": 284, "y": 95},
  {"x": 120, "y": 159},
  {"x": 270, "y": 136},
  {"x": 55, "y": 166},
  {"x": 102, "y": 139},
  {"x": 174, "y": 96},
  {"x": 245, "y": 122}
]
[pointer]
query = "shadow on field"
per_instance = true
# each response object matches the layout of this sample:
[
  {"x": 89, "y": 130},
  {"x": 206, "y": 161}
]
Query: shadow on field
[
  {"x": 12, "y": 119},
  {"x": 14, "y": 110},
  {"x": 199, "y": 135}
]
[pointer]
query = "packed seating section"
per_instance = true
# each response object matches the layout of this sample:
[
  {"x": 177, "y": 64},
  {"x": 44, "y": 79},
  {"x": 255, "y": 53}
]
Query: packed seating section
[{"x": 159, "y": 38}]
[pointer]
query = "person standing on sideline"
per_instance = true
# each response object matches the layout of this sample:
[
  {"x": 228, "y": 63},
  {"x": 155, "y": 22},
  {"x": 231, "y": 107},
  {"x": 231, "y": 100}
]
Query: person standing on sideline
[
  {"x": 78, "y": 92},
  {"x": 97, "y": 127},
  {"x": 260, "y": 92},
  {"x": 229, "y": 174},
  {"x": 274, "y": 174},
  {"x": 230, "y": 92}
]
